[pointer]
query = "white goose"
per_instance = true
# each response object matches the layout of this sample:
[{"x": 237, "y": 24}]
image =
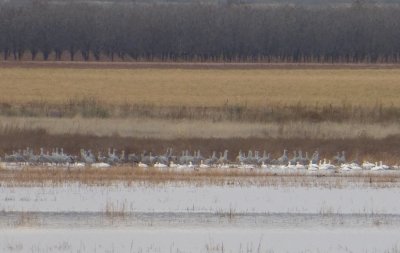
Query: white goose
[
  {"x": 381, "y": 166},
  {"x": 345, "y": 167},
  {"x": 244, "y": 166},
  {"x": 100, "y": 165},
  {"x": 173, "y": 165},
  {"x": 367, "y": 165},
  {"x": 142, "y": 165},
  {"x": 77, "y": 165},
  {"x": 376, "y": 167},
  {"x": 384, "y": 166},
  {"x": 159, "y": 165},
  {"x": 300, "y": 166},
  {"x": 204, "y": 166},
  {"x": 224, "y": 166},
  {"x": 291, "y": 166},
  {"x": 191, "y": 166},
  {"x": 326, "y": 165},
  {"x": 355, "y": 166},
  {"x": 312, "y": 166},
  {"x": 264, "y": 166}
]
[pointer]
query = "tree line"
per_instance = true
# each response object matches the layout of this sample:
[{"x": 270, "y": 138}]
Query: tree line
[{"x": 200, "y": 32}]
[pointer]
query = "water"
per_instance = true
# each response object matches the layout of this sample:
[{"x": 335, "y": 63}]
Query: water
[{"x": 195, "y": 220}]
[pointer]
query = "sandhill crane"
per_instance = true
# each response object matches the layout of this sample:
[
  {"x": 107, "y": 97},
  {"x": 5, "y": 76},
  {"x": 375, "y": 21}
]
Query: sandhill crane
[
  {"x": 186, "y": 158},
  {"x": 315, "y": 157},
  {"x": 339, "y": 159},
  {"x": 198, "y": 158},
  {"x": 133, "y": 158},
  {"x": 295, "y": 158},
  {"x": 284, "y": 158},
  {"x": 265, "y": 158},
  {"x": 212, "y": 160},
  {"x": 101, "y": 158},
  {"x": 112, "y": 157},
  {"x": 148, "y": 159},
  {"x": 304, "y": 160},
  {"x": 240, "y": 158},
  {"x": 164, "y": 159},
  {"x": 224, "y": 158},
  {"x": 87, "y": 157},
  {"x": 122, "y": 157}
]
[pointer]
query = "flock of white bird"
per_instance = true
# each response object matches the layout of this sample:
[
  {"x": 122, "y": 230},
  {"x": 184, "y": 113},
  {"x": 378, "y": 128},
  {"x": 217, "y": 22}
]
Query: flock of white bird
[{"x": 187, "y": 162}]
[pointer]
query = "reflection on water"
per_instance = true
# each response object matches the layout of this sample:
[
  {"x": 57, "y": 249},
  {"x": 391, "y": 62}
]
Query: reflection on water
[{"x": 186, "y": 220}]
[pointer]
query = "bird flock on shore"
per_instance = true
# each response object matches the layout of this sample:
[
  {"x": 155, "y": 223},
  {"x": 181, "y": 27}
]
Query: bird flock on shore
[{"x": 186, "y": 160}]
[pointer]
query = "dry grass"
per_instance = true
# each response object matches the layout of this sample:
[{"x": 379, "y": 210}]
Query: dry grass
[
  {"x": 172, "y": 129},
  {"x": 129, "y": 175},
  {"x": 199, "y": 87}
]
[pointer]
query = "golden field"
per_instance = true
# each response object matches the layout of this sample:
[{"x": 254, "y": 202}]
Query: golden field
[
  {"x": 202, "y": 87},
  {"x": 153, "y": 108},
  {"x": 163, "y": 129}
]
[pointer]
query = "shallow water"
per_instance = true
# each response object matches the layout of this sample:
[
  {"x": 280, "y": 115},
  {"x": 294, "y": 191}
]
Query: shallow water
[
  {"x": 196, "y": 220},
  {"x": 121, "y": 218},
  {"x": 200, "y": 232}
]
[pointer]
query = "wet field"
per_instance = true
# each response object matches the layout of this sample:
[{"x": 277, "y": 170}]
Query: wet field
[
  {"x": 197, "y": 232},
  {"x": 193, "y": 217}
]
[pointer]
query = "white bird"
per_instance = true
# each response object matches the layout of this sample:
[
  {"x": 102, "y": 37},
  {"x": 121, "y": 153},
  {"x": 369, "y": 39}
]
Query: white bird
[
  {"x": 100, "y": 165},
  {"x": 384, "y": 166},
  {"x": 204, "y": 166},
  {"x": 142, "y": 165},
  {"x": 244, "y": 166},
  {"x": 173, "y": 165},
  {"x": 159, "y": 165},
  {"x": 77, "y": 165},
  {"x": 367, "y": 165},
  {"x": 376, "y": 167},
  {"x": 300, "y": 166},
  {"x": 381, "y": 166},
  {"x": 345, "y": 167},
  {"x": 355, "y": 166},
  {"x": 264, "y": 166},
  {"x": 291, "y": 166},
  {"x": 312, "y": 166},
  {"x": 224, "y": 166},
  {"x": 181, "y": 166},
  {"x": 326, "y": 165},
  {"x": 191, "y": 166}
]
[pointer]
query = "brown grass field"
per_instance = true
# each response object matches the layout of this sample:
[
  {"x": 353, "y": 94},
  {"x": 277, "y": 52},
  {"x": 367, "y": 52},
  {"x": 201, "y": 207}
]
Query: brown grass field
[
  {"x": 164, "y": 129},
  {"x": 129, "y": 174},
  {"x": 152, "y": 106},
  {"x": 200, "y": 87}
]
